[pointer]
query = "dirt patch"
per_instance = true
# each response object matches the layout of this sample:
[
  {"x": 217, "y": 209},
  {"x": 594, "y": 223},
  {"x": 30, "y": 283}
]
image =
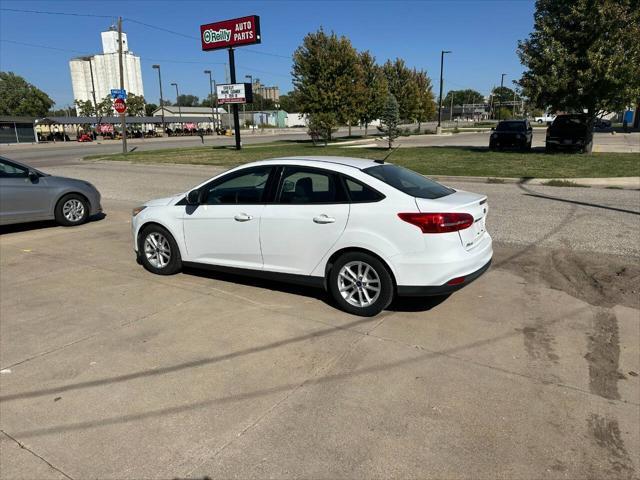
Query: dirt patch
[
  {"x": 604, "y": 356},
  {"x": 598, "y": 279}
]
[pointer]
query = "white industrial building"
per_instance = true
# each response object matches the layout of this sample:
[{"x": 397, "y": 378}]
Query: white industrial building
[{"x": 105, "y": 70}]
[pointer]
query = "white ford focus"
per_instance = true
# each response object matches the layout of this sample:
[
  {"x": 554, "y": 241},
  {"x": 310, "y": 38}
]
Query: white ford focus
[{"x": 362, "y": 229}]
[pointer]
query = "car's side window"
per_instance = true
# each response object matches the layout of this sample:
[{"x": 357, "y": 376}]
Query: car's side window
[
  {"x": 240, "y": 188},
  {"x": 360, "y": 193},
  {"x": 8, "y": 170},
  {"x": 301, "y": 186}
]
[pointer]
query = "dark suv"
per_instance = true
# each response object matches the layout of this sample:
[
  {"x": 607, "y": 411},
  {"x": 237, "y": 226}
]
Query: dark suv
[
  {"x": 570, "y": 132},
  {"x": 511, "y": 133}
]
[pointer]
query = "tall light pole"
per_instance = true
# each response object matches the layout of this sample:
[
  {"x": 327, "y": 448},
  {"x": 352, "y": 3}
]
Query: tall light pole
[
  {"x": 213, "y": 111},
  {"x": 500, "y": 96},
  {"x": 164, "y": 126},
  {"x": 250, "y": 78},
  {"x": 93, "y": 86},
  {"x": 439, "y": 128},
  {"x": 122, "y": 116},
  {"x": 177, "y": 100}
]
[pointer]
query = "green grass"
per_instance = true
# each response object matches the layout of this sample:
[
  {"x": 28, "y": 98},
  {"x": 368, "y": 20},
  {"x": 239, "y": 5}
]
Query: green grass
[{"x": 473, "y": 161}]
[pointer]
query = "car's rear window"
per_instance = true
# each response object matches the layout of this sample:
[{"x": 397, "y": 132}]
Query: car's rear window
[
  {"x": 511, "y": 127},
  {"x": 409, "y": 182}
]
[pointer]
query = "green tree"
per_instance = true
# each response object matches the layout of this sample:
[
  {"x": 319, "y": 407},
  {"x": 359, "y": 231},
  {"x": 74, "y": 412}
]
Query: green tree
[
  {"x": 289, "y": 103},
  {"x": 502, "y": 96},
  {"x": 206, "y": 102},
  {"x": 187, "y": 101},
  {"x": 323, "y": 77},
  {"x": 320, "y": 126},
  {"x": 583, "y": 55},
  {"x": 426, "y": 103},
  {"x": 390, "y": 118},
  {"x": 375, "y": 89},
  {"x": 461, "y": 97},
  {"x": 20, "y": 98},
  {"x": 135, "y": 105},
  {"x": 149, "y": 108},
  {"x": 403, "y": 86},
  {"x": 85, "y": 108}
]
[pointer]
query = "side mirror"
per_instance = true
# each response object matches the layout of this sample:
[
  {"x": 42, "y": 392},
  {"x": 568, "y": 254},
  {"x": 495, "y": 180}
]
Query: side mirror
[
  {"x": 33, "y": 176},
  {"x": 193, "y": 197}
]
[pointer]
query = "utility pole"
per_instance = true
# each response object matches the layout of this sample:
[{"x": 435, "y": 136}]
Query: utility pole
[
  {"x": 213, "y": 111},
  {"x": 164, "y": 126},
  {"x": 234, "y": 107},
  {"x": 500, "y": 96},
  {"x": 439, "y": 128},
  {"x": 122, "y": 115},
  {"x": 93, "y": 86},
  {"x": 178, "y": 102}
]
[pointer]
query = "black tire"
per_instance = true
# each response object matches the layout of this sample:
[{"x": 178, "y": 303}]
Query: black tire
[
  {"x": 71, "y": 210},
  {"x": 171, "y": 266},
  {"x": 385, "y": 294}
]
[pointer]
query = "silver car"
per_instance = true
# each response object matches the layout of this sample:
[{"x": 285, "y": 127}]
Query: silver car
[{"x": 28, "y": 195}]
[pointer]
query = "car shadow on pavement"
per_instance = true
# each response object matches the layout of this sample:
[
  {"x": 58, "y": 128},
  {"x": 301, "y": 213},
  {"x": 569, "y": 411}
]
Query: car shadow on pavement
[
  {"x": 29, "y": 226},
  {"x": 399, "y": 304}
]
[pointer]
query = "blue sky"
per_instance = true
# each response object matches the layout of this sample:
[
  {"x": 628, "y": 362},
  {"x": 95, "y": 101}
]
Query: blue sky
[{"x": 483, "y": 36}]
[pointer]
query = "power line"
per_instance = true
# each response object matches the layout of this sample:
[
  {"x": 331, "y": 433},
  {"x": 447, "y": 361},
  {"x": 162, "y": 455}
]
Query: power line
[
  {"x": 43, "y": 46},
  {"x": 132, "y": 20}
]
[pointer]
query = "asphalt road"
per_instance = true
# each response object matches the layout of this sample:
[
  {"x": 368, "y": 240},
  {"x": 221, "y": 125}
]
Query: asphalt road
[
  {"x": 47, "y": 155},
  {"x": 532, "y": 371}
]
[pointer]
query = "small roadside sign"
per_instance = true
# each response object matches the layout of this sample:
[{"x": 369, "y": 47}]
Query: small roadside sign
[
  {"x": 120, "y": 106},
  {"x": 119, "y": 93}
]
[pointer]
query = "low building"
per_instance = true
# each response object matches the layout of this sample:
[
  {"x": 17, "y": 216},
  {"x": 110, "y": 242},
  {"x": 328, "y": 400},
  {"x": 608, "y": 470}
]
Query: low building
[
  {"x": 17, "y": 129},
  {"x": 203, "y": 113}
]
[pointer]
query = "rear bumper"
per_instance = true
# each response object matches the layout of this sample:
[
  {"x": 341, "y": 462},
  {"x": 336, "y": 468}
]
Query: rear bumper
[{"x": 427, "y": 291}]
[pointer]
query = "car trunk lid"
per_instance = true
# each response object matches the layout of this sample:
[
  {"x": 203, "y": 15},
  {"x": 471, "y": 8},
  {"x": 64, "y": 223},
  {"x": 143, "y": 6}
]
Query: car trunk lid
[{"x": 461, "y": 202}]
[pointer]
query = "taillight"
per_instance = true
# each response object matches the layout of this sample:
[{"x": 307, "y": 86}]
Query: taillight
[{"x": 438, "y": 222}]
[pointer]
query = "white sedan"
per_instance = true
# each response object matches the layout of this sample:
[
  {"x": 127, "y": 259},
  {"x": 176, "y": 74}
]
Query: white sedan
[{"x": 362, "y": 229}]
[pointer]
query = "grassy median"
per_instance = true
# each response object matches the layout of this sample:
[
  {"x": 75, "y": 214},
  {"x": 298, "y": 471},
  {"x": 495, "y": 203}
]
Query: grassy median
[{"x": 468, "y": 161}]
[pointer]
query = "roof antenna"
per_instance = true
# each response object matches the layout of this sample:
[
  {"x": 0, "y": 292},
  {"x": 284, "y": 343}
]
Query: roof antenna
[{"x": 387, "y": 155}]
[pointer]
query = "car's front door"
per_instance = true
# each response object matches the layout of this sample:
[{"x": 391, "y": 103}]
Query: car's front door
[
  {"x": 225, "y": 228},
  {"x": 22, "y": 198},
  {"x": 307, "y": 218}
]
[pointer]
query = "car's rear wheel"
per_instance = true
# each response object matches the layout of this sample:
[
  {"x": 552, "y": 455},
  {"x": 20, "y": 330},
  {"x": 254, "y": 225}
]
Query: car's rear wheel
[
  {"x": 158, "y": 251},
  {"x": 72, "y": 209},
  {"x": 360, "y": 284}
]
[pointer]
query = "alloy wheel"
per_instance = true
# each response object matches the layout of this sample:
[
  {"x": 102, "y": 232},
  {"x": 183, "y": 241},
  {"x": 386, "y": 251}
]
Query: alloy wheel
[
  {"x": 157, "y": 250},
  {"x": 359, "y": 284},
  {"x": 73, "y": 210}
]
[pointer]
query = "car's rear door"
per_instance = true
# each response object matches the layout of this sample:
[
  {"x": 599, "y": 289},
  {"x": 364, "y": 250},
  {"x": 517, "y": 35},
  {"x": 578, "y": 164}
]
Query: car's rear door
[
  {"x": 225, "y": 228},
  {"x": 308, "y": 216}
]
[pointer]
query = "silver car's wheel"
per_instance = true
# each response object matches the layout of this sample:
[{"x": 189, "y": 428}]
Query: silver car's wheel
[
  {"x": 157, "y": 250},
  {"x": 359, "y": 284},
  {"x": 73, "y": 210}
]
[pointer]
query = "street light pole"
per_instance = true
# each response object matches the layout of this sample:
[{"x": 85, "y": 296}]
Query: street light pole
[
  {"x": 439, "y": 127},
  {"x": 500, "y": 96},
  {"x": 213, "y": 111},
  {"x": 250, "y": 78},
  {"x": 122, "y": 115},
  {"x": 164, "y": 126},
  {"x": 178, "y": 101}
]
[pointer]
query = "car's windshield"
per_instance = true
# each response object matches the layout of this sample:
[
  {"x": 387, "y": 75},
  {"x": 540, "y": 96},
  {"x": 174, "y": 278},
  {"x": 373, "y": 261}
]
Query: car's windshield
[
  {"x": 408, "y": 181},
  {"x": 511, "y": 127}
]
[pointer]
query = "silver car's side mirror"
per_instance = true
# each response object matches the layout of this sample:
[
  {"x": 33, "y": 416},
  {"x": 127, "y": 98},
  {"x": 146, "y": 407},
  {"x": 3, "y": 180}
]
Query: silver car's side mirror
[
  {"x": 33, "y": 176},
  {"x": 193, "y": 197}
]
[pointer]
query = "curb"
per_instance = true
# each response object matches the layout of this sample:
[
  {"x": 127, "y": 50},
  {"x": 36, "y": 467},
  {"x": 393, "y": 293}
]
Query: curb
[{"x": 626, "y": 183}]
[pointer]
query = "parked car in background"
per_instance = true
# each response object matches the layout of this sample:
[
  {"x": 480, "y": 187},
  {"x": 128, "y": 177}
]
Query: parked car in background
[
  {"x": 546, "y": 118},
  {"x": 511, "y": 134},
  {"x": 362, "y": 229},
  {"x": 28, "y": 195},
  {"x": 602, "y": 124},
  {"x": 569, "y": 132}
]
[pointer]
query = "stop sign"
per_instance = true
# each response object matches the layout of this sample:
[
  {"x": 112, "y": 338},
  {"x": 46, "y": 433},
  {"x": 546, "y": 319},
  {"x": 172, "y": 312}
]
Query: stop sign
[{"x": 119, "y": 105}]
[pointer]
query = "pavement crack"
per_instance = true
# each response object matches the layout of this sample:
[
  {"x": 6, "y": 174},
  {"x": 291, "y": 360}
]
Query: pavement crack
[{"x": 23, "y": 446}]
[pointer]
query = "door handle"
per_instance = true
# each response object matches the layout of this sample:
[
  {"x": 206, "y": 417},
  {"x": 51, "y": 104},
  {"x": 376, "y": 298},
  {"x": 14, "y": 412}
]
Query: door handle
[
  {"x": 323, "y": 219},
  {"x": 242, "y": 217}
]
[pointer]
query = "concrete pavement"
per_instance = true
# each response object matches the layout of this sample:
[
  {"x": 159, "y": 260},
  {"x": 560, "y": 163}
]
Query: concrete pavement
[{"x": 530, "y": 372}]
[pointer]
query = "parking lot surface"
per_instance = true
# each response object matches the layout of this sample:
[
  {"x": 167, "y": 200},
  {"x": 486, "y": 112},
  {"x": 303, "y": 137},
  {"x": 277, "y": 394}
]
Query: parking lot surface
[{"x": 530, "y": 372}]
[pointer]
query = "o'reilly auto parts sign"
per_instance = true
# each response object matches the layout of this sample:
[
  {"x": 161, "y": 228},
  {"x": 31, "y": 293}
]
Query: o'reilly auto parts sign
[
  {"x": 230, "y": 33},
  {"x": 234, "y": 93}
]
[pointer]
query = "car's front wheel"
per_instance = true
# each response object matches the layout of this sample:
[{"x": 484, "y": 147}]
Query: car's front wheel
[
  {"x": 72, "y": 209},
  {"x": 158, "y": 251},
  {"x": 360, "y": 284}
]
